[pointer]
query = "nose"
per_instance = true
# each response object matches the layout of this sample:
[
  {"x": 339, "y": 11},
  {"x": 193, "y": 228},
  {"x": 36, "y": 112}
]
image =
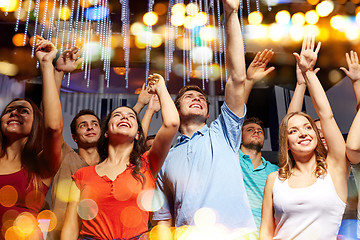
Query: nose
[
  {"x": 302, "y": 133},
  {"x": 14, "y": 112}
]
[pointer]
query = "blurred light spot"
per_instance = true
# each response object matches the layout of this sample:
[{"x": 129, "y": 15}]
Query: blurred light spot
[
  {"x": 192, "y": 9},
  {"x": 256, "y": 32},
  {"x": 201, "y": 54},
  {"x": 201, "y": 18},
  {"x": 208, "y": 33},
  {"x": 358, "y": 18},
  {"x": 26, "y": 223},
  {"x": 150, "y": 200},
  {"x": 150, "y": 18},
  {"x": 18, "y": 40},
  {"x": 215, "y": 72},
  {"x": 160, "y": 8},
  {"x": 9, "y": 5},
  {"x": 93, "y": 2},
  {"x": 26, "y": 3},
  {"x": 63, "y": 190},
  {"x": 337, "y": 22},
  {"x": 178, "y": 8},
  {"x": 313, "y": 2},
  {"x": 139, "y": 43},
  {"x": 50, "y": 217},
  {"x": 65, "y": 13},
  {"x": 325, "y": 8},
  {"x": 33, "y": 198},
  {"x": 44, "y": 224},
  {"x": 137, "y": 91},
  {"x": 182, "y": 233},
  {"x": 311, "y": 17},
  {"x": 22, "y": 15},
  {"x": 352, "y": 33},
  {"x": 137, "y": 28},
  {"x": 282, "y": 17},
  {"x": 96, "y": 13},
  {"x": 297, "y": 33},
  {"x": 131, "y": 217},
  {"x": 93, "y": 49},
  {"x": 177, "y": 19},
  {"x": 160, "y": 232},
  {"x": 8, "y": 69},
  {"x": 156, "y": 40},
  {"x": 120, "y": 70},
  {"x": 87, "y": 209},
  {"x": 311, "y": 29},
  {"x": 357, "y": 10},
  {"x": 255, "y": 18},
  {"x": 205, "y": 218},
  {"x": 13, "y": 233},
  {"x": 298, "y": 19},
  {"x": 85, "y": 3},
  {"x": 189, "y": 22},
  {"x": 245, "y": 233},
  {"x": 324, "y": 34},
  {"x": 277, "y": 32},
  {"x": 183, "y": 43},
  {"x": 335, "y": 76},
  {"x": 8, "y": 195}
]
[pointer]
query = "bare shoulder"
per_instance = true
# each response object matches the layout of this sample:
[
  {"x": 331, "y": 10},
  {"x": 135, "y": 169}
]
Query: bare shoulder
[{"x": 271, "y": 179}]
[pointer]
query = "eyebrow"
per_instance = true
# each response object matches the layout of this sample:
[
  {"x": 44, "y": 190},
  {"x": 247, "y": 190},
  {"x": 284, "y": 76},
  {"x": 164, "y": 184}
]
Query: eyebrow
[{"x": 21, "y": 107}]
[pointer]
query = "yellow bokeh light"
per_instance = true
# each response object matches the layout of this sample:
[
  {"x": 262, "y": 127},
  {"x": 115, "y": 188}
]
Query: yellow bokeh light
[
  {"x": 255, "y": 18},
  {"x": 335, "y": 76},
  {"x": 160, "y": 8},
  {"x": 137, "y": 28},
  {"x": 183, "y": 43},
  {"x": 160, "y": 232},
  {"x": 139, "y": 43},
  {"x": 313, "y": 2},
  {"x": 357, "y": 10},
  {"x": 192, "y": 9},
  {"x": 358, "y": 18},
  {"x": 311, "y": 30},
  {"x": 297, "y": 33},
  {"x": 156, "y": 40},
  {"x": 208, "y": 33},
  {"x": 8, "y": 69},
  {"x": 121, "y": 71},
  {"x": 298, "y": 19},
  {"x": 25, "y": 5},
  {"x": 282, "y": 17},
  {"x": 257, "y": 31},
  {"x": 50, "y": 216},
  {"x": 178, "y": 8},
  {"x": 18, "y": 40},
  {"x": 85, "y": 3},
  {"x": 189, "y": 22},
  {"x": 325, "y": 8},
  {"x": 65, "y": 13},
  {"x": 311, "y": 17},
  {"x": 201, "y": 18},
  {"x": 205, "y": 218},
  {"x": 177, "y": 19},
  {"x": 9, "y": 5},
  {"x": 337, "y": 22},
  {"x": 150, "y": 18},
  {"x": 352, "y": 33},
  {"x": 324, "y": 34},
  {"x": 8, "y": 196},
  {"x": 13, "y": 233},
  {"x": 276, "y": 32},
  {"x": 26, "y": 223}
]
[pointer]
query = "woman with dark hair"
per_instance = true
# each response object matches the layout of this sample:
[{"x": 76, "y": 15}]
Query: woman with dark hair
[
  {"x": 306, "y": 198},
  {"x": 30, "y": 153},
  {"x": 109, "y": 195}
]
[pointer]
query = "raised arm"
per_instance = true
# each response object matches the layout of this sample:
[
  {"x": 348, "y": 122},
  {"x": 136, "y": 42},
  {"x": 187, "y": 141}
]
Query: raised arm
[
  {"x": 153, "y": 107},
  {"x": 235, "y": 85},
  {"x": 53, "y": 122},
  {"x": 267, "y": 227},
  {"x": 72, "y": 223},
  {"x": 143, "y": 99},
  {"x": 257, "y": 70},
  {"x": 336, "y": 159},
  {"x": 353, "y": 139},
  {"x": 169, "y": 127}
]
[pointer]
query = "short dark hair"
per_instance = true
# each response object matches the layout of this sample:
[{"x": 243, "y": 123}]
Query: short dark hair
[
  {"x": 79, "y": 114},
  {"x": 184, "y": 89},
  {"x": 256, "y": 121}
]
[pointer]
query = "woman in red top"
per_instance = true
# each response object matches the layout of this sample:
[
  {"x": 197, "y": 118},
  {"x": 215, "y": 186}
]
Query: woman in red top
[
  {"x": 109, "y": 205},
  {"x": 27, "y": 163}
]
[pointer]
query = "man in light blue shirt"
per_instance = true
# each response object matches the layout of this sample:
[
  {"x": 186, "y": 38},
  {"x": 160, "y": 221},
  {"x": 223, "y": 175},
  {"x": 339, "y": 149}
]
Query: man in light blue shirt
[
  {"x": 255, "y": 168},
  {"x": 202, "y": 170}
]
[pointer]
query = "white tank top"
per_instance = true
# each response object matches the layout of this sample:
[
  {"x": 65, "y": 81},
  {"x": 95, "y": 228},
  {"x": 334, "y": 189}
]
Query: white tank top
[{"x": 313, "y": 212}]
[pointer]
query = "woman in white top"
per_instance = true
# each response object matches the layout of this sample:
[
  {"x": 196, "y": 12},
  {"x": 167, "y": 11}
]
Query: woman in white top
[{"x": 306, "y": 198}]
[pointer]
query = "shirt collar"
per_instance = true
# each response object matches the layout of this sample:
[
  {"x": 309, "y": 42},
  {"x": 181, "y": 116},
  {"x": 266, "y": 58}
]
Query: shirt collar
[
  {"x": 247, "y": 160},
  {"x": 183, "y": 138}
]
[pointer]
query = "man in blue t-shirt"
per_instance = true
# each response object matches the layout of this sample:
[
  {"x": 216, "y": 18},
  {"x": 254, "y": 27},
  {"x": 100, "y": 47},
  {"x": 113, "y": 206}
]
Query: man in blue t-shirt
[{"x": 255, "y": 168}]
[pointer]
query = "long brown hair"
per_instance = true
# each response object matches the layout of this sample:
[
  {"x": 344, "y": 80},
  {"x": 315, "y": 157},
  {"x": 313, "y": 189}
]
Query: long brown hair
[
  {"x": 138, "y": 149},
  {"x": 33, "y": 146},
  {"x": 287, "y": 161}
]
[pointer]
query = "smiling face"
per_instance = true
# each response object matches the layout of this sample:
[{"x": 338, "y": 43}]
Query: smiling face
[
  {"x": 87, "y": 131},
  {"x": 301, "y": 134},
  {"x": 123, "y": 122},
  {"x": 193, "y": 104},
  {"x": 17, "y": 119}
]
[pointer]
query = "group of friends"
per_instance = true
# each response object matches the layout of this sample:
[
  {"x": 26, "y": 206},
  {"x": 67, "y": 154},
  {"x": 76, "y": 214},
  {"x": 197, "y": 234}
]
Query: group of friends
[{"x": 217, "y": 166}]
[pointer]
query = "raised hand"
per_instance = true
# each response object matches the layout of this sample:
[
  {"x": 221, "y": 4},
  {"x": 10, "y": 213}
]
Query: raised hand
[
  {"x": 154, "y": 103},
  {"x": 69, "y": 60},
  {"x": 354, "y": 67},
  {"x": 308, "y": 56},
  {"x": 231, "y": 5},
  {"x": 155, "y": 83},
  {"x": 299, "y": 76},
  {"x": 256, "y": 70},
  {"x": 45, "y": 50}
]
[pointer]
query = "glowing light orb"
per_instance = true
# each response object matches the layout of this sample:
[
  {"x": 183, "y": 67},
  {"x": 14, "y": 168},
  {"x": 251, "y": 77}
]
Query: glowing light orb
[
  {"x": 178, "y": 8},
  {"x": 63, "y": 190},
  {"x": 160, "y": 232},
  {"x": 183, "y": 43},
  {"x": 335, "y": 76},
  {"x": 201, "y": 54},
  {"x": 277, "y": 32},
  {"x": 282, "y": 17},
  {"x": 96, "y": 13},
  {"x": 150, "y": 200},
  {"x": 256, "y": 32},
  {"x": 183, "y": 232},
  {"x": 9, "y": 5},
  {"x": 215, "y": 72},
  {"x": 26, "y": 223},
  {"x": 65, "y": 13},
  {"x": 160, "y": 8},
  {"x": 313, "y": 2},
  {"x": 137, "y": 28},
  {"x": 311, "y": 17},
  {"x": 8, "y": 69},
  {"x": 177, "y": 19},
  {"x": 255, "y": 18},
  {"x": 131, "y": 217},
  {"x": 26, "y": 3},
  {"x": 34, "y": 198},
  {"x": 298, "y": 19},
  {"x": 93, "y": 49},
  {"x": 121, "y": 71},
  {"x": 8, "y": 195},
  {"x": 192, "y": 9},
  {"x": 150, "y": 18},
  {"x": 201, "y": 18},
  {"x": 324, "y": 34},
  {"x": 208, "y": 33},
  {"x": 189, "y": 22},
  {"x": 297, "y": 33},
  {"x": 18, "y": 40},
  {"x": 311, "y": 30},
  {"x": 205, "y": 218},
  {"x": 337, "y": 22},
  {"x": 325, "y": 8},
  {"x": 156, "y": 40},
  {"x": 352, "y": 33},
  {"x": 49, "y": 216},
  {"x": 87, "y": 209},
  {"x": 13, "y": 233},
  {"x": 358, "y": 18}
]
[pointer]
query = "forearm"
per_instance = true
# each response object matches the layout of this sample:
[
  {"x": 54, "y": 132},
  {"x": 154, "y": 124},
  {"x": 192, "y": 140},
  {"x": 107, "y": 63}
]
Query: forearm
[
  {"x": 169, "y": 113},
  {"x": 146, "y": 120},
  {"x": 59, "y": 76},
  {"x": 353, "y": 141},
  {"x": 356, "y": 86},
  {"x": 138, "y": 107},
  {"x": 297, "y": 99}
]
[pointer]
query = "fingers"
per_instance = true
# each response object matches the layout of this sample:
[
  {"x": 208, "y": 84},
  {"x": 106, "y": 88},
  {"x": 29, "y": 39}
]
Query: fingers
[
  {"x": 317, "y": 47},
  {"x": 297, "y": 57},
  {"x": 316, "y": 70},
  {"x": 344, "y": 70},
  {"x": 269, "y": 70}
]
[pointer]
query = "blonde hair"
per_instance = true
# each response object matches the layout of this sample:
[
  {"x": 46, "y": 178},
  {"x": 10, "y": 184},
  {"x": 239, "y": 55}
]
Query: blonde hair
[{"x": 287, "y": 161}]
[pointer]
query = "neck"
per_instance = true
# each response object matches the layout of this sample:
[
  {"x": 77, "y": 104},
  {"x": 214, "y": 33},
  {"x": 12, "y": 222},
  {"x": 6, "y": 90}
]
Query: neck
[
  {"x": 188, "y": 128},
  {"x": 120, "y": 153},
  {"x": 89, "y": 155},
  {"x": 305, "y": 163},
  {"x": 254, "y": 155},
  {"x": 13, "y": 151}
]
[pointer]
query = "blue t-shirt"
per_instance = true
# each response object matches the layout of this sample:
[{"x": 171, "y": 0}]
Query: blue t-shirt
[
  {"x": 254, "y": 180},
  {"x": 204, "y": 171}
]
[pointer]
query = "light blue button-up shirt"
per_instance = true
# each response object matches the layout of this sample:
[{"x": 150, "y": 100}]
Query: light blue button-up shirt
[{"x": 204, "y": 171}]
